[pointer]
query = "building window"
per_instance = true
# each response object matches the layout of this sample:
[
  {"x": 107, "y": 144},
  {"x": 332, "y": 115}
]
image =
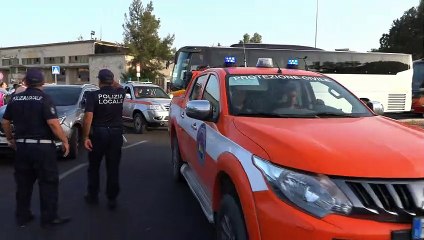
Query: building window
[
  {"x": 31, "y": 61},
  {"x": 78, "y": 59},
  {"x": 54, "y": 60},
  {"x": 10, "y": 61}
]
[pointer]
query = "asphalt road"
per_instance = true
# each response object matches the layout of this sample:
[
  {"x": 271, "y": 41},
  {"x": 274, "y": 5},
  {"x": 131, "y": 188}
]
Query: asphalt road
[{"x": 151, "y": 205}]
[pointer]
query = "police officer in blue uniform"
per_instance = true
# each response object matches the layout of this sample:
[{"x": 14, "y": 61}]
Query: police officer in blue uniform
[
  {"x": 102, "y": 132},
  {"x": 36, "y": 126}
]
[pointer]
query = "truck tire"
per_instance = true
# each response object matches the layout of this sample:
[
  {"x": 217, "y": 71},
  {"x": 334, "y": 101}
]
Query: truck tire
[
  {"x": 177, "y": 162},
  {"x": 73, "y": 144},
  {"x": 230, "y": 221},
  {"x": 139, "y": 123}
]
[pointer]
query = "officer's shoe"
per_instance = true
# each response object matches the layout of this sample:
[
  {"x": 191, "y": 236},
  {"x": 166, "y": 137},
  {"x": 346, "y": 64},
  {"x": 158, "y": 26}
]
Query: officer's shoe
[
  {"x": 112, "y": 204},
  {"x": 24, "y": 222},
  {"x": 91, "y": 200},
  {"x": 55, "y": 222}
]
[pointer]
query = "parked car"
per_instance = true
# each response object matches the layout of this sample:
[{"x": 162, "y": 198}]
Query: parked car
[
  {"x": 70, "y": 105},
  {"x": 145, "y": 106}
]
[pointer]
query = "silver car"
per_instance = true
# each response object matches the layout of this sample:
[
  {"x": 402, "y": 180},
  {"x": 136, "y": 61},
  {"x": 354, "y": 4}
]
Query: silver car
[
  {"x": 70, "y": 105},
  {"x": 146, "y": 106}
]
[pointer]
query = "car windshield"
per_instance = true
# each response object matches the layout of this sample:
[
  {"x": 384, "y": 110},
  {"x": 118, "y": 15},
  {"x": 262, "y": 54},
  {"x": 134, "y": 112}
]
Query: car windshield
[
  {"x": 149, "y": 92},
  {"x": 63, "y": 96},
  {"x": 291, "y": 96}
]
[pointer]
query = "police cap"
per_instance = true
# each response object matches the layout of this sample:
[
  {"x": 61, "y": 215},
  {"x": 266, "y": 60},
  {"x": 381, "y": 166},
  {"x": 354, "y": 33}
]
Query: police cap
[
  {"x": 34, "y": 76},
  {"x": 105, "y": 76}
]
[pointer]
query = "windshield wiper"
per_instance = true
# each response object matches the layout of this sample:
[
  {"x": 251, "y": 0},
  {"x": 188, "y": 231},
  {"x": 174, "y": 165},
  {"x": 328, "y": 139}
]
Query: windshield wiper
[
  {"x": 333, "y": 114},
  {"x": 273, "y": 115}
]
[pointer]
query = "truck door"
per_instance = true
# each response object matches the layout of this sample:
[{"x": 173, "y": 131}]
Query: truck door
[
  {"x": 189, "y": 125},
  {"x": 205, "y": 165}
]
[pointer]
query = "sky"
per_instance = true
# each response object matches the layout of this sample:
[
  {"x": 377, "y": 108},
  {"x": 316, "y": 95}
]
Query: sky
[{"x": 354, "y": 24}]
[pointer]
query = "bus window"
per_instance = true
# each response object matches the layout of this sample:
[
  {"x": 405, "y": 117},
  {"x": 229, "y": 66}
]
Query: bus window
[
  {"x": 181, "y": 66},
  {"x": 418, "y": 77}
]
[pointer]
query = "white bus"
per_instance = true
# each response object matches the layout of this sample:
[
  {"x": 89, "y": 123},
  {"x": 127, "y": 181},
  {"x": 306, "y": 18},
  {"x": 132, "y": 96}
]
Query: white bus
[{"x": 383, "y": 77}]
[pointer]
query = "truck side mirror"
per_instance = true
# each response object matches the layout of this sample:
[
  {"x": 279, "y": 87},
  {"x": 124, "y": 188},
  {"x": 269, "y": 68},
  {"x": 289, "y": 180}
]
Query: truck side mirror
[
  {"x": 199, "y": 109},
  {"x": 376, "y": 106}
]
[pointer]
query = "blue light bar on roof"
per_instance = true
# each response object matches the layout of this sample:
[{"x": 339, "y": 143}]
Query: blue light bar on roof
[
  {"x": 293, "y": 62},
  {"x": 230, "y": 59}
]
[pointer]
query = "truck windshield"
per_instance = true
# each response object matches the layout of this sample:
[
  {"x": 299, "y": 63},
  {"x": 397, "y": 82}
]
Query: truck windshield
[
  {"x": 291, "y": 96},
  {"x": 149, "y": 92}
]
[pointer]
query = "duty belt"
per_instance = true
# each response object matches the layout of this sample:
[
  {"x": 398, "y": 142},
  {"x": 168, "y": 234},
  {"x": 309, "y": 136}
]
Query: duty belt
[{"x": 28, "y": 140}]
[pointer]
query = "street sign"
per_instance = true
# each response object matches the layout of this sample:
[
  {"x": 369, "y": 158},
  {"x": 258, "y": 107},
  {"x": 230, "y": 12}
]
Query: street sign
[
  {"x": 138, "y": 74},
  {"x": 55, "y": 70}
]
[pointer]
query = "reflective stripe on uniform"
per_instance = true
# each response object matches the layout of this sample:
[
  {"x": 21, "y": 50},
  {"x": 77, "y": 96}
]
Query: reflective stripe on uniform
[{"x": 217, "y": 144}]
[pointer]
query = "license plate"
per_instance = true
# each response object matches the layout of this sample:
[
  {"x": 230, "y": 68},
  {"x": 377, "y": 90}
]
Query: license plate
[{"x": 417, "y": 228}]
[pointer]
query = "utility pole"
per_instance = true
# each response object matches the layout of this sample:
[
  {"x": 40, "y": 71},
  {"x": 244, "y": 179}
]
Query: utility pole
[{"x": 316, "y": 25}]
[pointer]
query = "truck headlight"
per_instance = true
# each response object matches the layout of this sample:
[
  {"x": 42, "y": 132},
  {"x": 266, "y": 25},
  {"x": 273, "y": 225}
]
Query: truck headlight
[
  {"x": 155, "y": 107},
  {"x": 316, "y": 194}
]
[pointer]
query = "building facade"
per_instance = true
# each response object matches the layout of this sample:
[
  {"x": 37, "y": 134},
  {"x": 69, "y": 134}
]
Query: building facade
[{"x": 79, "y": 61}]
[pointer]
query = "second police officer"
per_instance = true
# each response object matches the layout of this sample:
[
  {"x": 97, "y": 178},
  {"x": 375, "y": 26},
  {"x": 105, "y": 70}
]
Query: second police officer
[{"x": 102, "y": 133}]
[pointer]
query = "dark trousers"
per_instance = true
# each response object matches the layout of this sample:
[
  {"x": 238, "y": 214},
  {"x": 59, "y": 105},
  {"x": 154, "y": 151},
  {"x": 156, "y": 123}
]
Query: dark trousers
[
  {"x": 36, "y": 161},
  {"x": 107, "y": 142}
]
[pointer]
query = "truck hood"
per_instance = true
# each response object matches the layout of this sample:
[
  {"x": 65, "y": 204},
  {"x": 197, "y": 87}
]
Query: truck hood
[{"x": 374, "y": 147}]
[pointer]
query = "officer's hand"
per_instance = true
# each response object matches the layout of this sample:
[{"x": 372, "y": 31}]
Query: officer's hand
[
  {"x": 88, "y": 145},
  {"x": 65, "y": 149}
]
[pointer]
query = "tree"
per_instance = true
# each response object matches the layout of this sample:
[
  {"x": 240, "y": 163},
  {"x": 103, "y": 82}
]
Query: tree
[
  {"x": 142, "y": 38},
  {"x": 257, "y": 38},
  {"x": 406, "y": 34}
]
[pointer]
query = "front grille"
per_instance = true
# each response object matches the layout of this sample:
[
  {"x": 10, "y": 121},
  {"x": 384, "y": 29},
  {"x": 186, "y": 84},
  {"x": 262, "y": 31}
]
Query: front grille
[
  {"x": 385, "y": 201},
  {"x": 396, "y": 102}
]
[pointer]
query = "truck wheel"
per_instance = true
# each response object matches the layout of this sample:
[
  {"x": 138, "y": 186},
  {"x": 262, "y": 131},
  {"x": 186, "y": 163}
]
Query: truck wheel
[
  {"x": 73, "y": 144},
  {"x": 177, "y": 162},
  {"x": 230, "y": 222},
  {"x": 139, "y": 123}
]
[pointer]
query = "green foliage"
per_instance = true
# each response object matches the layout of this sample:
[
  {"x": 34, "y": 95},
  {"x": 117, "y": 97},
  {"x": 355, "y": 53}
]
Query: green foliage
[
  {"x": 406, "y": 34},
  {"x": 141, "y": 37},
  {"x": 257, "y": 38}
]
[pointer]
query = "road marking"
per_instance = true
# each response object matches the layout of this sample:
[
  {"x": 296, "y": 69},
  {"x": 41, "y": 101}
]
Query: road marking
[
  {"x": 134, "y": 144},
  {"x": 72, "y": 170},
  {"x": 78, "y": 167}
]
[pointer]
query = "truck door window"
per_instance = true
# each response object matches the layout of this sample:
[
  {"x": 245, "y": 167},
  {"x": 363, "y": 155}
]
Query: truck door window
[
  {"x": 197, "y": 88},
  {"x": 211, "y": 94}
]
